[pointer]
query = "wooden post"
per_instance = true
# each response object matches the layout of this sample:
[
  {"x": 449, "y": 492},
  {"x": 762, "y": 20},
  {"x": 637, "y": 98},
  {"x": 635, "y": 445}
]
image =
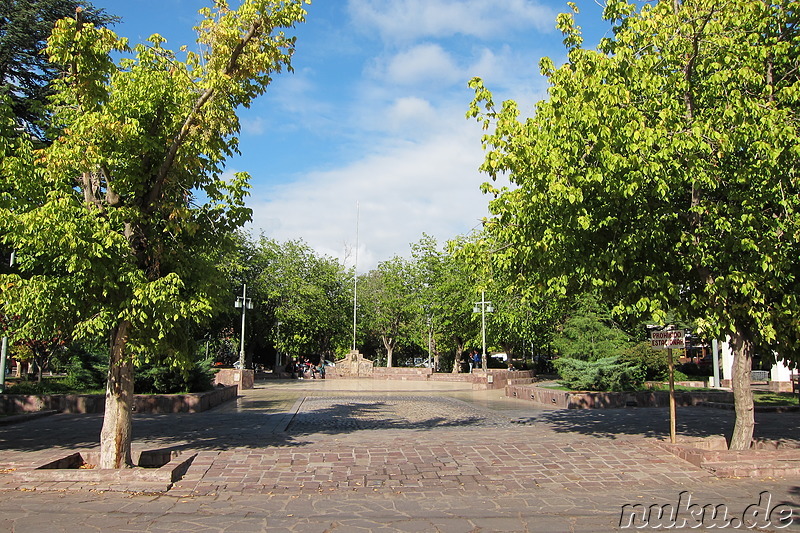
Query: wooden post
[{"x": 672, "y": 414}]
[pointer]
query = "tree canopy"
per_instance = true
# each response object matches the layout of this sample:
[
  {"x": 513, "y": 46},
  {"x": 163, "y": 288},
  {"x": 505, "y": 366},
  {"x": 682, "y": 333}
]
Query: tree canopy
[
  {"x": 118, "y": 221},
  {"x": 26, "y": 73},
  {"x": 662, "y": 171}
]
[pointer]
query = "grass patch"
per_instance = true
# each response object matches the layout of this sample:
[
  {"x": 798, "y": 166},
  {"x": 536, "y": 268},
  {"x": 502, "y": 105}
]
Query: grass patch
[
  {"x": 681, "y": 388},
  {"x": 775, "y": 398},
  {"x": 555, "y": 386}
]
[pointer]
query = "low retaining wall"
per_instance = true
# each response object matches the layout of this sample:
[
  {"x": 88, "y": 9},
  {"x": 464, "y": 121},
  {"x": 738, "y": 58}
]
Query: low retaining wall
[
  {"x": 764, "y": 459},
  {"x": 480, "y": 380},
  {"x": 244, "y": 379},
  {"x": 780, "y": 386},
  {"x": 595, "y": 400},
  {"x": 11, "y": 404},
  {"x": 402, "y": 374}
]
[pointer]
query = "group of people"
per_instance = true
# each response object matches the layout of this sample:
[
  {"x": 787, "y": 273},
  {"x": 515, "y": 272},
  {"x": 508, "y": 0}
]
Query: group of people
[
  {"x": 305, "y": 368},
  {"x": 471, "y": 360},
  {"x": 475, "y": 361}
]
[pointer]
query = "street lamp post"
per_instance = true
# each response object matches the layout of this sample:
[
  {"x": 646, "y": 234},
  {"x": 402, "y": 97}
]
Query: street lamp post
[
  {"x": 278, "y": 359},
  {"x": 244, "y": 303},
  {"x": 430, "y": 332},
  {"x": 485, "y": 307},
  {"x": 4, "y": 346}
]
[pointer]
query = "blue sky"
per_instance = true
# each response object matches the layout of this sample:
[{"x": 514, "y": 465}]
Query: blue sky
[{"x": 374, "y": 113}]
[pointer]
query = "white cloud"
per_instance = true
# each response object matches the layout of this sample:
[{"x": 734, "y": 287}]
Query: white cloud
[
  {"x": 430, "y": 185},
  {"x": 405, "y": 20},
  {"x": 427, "y": 64},
  {"x": 253, "y": 126},
  {"x": 410, "y": 115}
]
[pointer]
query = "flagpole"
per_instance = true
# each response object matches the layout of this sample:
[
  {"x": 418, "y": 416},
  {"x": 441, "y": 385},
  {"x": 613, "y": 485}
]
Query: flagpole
[{"x": 355, "y": 278}]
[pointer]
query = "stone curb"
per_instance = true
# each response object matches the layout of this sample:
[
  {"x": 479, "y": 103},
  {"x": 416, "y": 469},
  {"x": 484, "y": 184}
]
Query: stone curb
[
  {"x": 14, "y": 419},
  {"x": 758, "y": 408}
]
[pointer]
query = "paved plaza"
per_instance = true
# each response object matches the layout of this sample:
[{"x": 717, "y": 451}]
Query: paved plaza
[{"x": 368, "y": 455}]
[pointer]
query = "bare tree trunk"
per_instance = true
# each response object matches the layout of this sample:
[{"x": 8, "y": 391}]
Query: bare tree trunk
[
  {"x": 459, "y": 355},
  {"x": 115, "y": 437},
  {"x": 742, "y": 436},
  {"x": 388, "y": 343}
]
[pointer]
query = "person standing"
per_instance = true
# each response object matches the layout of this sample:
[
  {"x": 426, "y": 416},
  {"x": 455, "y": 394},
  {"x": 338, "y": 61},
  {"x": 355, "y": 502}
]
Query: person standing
[{"x": 476, "y": 359}]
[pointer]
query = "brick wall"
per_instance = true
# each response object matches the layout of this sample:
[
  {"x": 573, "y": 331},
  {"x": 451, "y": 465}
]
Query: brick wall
[{"x": 11, "y": 404}]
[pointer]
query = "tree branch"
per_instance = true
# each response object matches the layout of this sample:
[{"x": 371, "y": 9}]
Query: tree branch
[{"x": 205, "y": 97}]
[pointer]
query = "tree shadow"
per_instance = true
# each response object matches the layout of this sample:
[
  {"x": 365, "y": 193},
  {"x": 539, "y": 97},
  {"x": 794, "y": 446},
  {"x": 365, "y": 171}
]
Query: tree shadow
[
  {"x": 654, "y": 422},
  {"x": 226, "y": 427},
  {"x": 794, "y": 506},
  {"x": 350, "y": 415}
]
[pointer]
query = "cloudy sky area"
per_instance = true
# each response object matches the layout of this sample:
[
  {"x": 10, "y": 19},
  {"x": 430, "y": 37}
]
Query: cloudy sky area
[{"x": 374, "y": 114}]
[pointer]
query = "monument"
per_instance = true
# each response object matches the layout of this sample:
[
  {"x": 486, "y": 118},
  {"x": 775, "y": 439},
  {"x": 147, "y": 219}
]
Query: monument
[{"x": 354, "y": 365}]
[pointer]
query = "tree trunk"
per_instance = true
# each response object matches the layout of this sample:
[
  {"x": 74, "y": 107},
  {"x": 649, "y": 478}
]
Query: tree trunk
[
  {"x": 742, "y": 436},
  {"x": 459, "y": 355},
  {"x": 388, "y": 343},
  {"x": 115, "y": 437}
]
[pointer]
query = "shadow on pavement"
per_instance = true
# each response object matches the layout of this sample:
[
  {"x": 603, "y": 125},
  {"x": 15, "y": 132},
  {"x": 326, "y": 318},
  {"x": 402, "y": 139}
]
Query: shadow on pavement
[
  {"x": 654, "y": 422},
  {"x": 353, "y": 415},
  {"x": 255, "y": 426}
]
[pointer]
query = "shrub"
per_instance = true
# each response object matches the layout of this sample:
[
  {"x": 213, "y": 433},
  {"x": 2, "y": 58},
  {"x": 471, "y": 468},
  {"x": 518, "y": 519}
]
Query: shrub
[
  {"x": 654, "y": 363},
  {"x": 606, "y": 374},
  {"x": 589, "y": 332},
  {"x": 692, "y": 369},
  {"x": 47, "y": 386},
  {"x": 86, "y": 367},
  {"x": 162, "y": 379}
]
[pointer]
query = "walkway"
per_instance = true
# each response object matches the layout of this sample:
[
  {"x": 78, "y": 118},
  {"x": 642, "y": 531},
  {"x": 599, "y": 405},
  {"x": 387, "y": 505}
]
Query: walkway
[{"x": 364, "y": 455}]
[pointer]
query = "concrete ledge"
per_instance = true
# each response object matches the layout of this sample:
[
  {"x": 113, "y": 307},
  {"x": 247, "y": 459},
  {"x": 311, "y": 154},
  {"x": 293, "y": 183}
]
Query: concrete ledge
[
  {"x": 157, "y": 470},
  {"x": 757, "y": 408},
  {"x": 14, "y": 419},
  {"x": 402, "y": 373},
  {"x": 597, "y": 400},
  {"x": 95, "y": 403},
  {"x": 244, "y": 379},
  {"x": 480, "y": 380},
  {"x": 764, "y": 459}
]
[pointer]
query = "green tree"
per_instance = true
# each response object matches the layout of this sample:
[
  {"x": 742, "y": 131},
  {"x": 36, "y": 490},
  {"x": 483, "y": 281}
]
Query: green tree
[
  {"x": 26, "y": 73},
  {"x": 105, "y": 218},
  {"x": 589, "y": 333},
  {"x": 388, "y": 304},
  {"x": 662, "y": 171},
  {"x": 522, "y": 327},
  {"x": 446, "y": 296},
  {"x": 42, "y": 352},
  {"x": 308, "y": 294}
]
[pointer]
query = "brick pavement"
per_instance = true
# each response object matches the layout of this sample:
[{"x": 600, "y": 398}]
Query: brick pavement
[{"x": 305, "y": 457}]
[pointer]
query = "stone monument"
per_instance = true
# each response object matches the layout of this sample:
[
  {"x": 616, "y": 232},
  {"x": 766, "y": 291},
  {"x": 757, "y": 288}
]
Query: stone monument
[{"x": 354, "y": 365}]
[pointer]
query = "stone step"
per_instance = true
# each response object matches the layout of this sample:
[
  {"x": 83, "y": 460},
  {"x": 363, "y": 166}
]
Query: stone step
[{"x": 755, "y": 469}]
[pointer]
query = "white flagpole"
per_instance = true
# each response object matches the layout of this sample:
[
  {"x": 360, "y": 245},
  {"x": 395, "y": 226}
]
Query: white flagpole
[{"x": 355, "y": 278}]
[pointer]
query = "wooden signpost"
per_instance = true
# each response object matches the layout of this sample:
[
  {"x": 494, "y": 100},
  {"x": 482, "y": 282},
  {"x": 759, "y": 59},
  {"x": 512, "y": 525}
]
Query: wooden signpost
[{"x": 667, "y": 340}]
